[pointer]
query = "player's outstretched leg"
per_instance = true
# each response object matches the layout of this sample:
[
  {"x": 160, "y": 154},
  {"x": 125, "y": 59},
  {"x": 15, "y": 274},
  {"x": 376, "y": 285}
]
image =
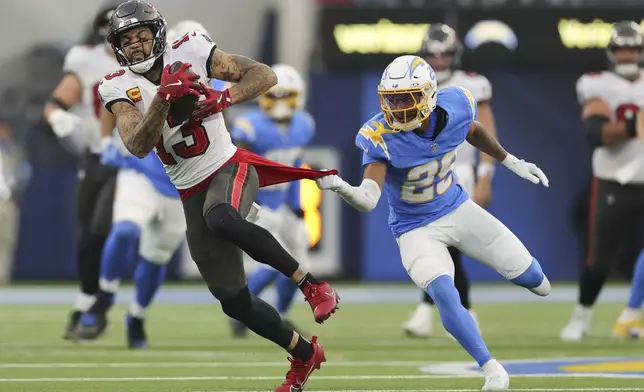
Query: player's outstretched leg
[
  {"x": 460, "y": 324},
  {"x": 485, "y": 238},
  {"x": 118, "y": 252},
  {"x": 629, "y": 324},
  {"x": 148, "y": 277},
  {"x": 257, "y": 282},
  {"x": 222, "y": 217},
  {"x": 261, "y": 318},
  {"x": 533, "y": 279}
]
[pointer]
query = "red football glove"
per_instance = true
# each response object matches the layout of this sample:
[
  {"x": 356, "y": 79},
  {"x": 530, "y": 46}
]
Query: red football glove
[
  {"x": 215, "y": 102},
  {"x": 176, "y": 85}
]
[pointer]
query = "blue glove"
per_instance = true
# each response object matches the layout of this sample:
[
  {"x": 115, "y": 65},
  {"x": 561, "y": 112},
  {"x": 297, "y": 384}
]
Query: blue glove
[{"x": 112, "y": 156}]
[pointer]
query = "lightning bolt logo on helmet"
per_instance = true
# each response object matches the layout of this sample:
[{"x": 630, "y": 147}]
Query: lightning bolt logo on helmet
[{"x": 407, "y": 92}]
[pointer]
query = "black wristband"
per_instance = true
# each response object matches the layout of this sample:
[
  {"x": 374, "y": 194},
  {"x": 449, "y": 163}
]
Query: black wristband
[
  {"x": 631, "y": 128},
  {"x": 58, "y": 103}
]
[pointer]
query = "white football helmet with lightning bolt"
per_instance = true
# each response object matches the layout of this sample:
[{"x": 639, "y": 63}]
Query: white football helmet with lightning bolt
[{"x": 408, "y": 92}]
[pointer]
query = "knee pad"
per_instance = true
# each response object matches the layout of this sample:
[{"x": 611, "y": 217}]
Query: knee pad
[
  {"x": 237, "y": 306},
  {"x": 222, "y": 218},
  {"x": 126, "y": 229}
]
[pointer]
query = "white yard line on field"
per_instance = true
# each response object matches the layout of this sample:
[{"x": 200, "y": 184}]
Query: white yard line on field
[{"x": 263, "y": 378}]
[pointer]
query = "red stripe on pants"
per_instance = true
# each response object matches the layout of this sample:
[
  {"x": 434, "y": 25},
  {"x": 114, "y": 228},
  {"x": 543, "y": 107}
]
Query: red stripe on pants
[{"x": 238, "y": 184}]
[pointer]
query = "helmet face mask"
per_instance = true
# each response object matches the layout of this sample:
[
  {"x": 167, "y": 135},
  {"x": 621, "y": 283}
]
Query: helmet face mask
[
  {"x": 286, "y": 97},
  {"x": 407, "y": 93},
  {"x": 135, "y": 16},
  {"x": 625, "y": 48}
]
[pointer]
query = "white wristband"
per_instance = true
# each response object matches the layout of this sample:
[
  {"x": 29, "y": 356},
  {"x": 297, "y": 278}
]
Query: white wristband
[
  {"x": 364, "y": 197},
  {"x": 509, "y": 160},
  {"x": 485, "y": 169}
]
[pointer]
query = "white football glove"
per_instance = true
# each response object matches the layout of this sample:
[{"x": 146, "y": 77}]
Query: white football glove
[
  {"x": 527, "y": 170},
  {"x": 64, "y": 123},
  {"x": 332, "y": 182}
]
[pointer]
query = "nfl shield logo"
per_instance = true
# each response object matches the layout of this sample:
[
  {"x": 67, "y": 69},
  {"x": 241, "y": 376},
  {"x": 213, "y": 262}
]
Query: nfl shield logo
[{"x": 434, "y": 147}]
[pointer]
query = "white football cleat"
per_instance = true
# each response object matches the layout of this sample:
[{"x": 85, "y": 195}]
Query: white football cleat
[
  {"x": 420, "y": 323},
  {"x": 496, "y": 378},
  {"x": 579, "y": 324}
]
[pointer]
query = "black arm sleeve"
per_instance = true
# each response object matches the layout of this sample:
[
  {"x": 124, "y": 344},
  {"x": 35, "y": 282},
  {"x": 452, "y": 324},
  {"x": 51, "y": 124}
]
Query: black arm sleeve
[{"x": 593, "y": 126}]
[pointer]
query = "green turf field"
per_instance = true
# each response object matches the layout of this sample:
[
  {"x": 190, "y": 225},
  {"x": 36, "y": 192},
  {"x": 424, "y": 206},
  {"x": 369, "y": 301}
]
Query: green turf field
[{"x": 366, "y": 351}]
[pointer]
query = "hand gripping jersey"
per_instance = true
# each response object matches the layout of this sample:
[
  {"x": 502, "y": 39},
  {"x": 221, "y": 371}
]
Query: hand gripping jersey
[
  {"x": 90, "y": 64},
  {"x": 419, "y": 184},
  {"x": 624, "y": 98},
  {"x": 192, "y": 151},
  {"x": 481, "y": 89},
  {"x": 269, "y": 139}
]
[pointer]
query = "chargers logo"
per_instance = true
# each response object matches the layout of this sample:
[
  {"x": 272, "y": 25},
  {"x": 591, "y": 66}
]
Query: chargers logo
[
  {"x": 491, "y": 31},
  {"x": 134, "y": 94}
]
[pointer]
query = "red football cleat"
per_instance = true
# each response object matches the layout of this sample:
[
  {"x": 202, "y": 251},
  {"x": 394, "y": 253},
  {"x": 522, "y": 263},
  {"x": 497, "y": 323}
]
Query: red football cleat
[
  {"x": 323, "y": 300},
  {"x": 300, "y": 370}
]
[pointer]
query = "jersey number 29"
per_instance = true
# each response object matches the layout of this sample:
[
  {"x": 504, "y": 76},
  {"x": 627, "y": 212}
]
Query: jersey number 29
[{"x": 420, "y": 187}]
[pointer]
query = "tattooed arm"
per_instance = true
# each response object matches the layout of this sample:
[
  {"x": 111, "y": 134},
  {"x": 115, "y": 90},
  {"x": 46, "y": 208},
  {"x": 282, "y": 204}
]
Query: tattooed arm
[
  {"x": 252, "y": 78},
  {"x": 140, "y": 133},
  {"x": 480, "y": 138}
]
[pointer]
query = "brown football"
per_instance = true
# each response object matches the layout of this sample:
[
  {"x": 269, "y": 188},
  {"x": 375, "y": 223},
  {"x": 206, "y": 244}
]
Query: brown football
[{"x": 181, "y": 109}]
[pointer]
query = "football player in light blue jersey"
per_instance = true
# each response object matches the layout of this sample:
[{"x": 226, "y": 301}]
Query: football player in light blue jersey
[
  {"x": 409, "y": 149},
  {"x": 278, "y": 130},
  {"x": 147, "y": 214}
]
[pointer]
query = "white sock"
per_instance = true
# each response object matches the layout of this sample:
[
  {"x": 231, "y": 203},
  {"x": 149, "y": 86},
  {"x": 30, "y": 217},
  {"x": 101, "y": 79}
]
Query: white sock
[
  {"x": 137, "y": 310},
  {"x": 109, "y": 286},
  {"x": 489, "y": 365},
  {"x": 84, "y": 302}
]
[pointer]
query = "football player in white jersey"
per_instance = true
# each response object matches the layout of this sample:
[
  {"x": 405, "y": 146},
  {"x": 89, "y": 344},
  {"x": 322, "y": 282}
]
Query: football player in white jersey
[
  {"x": 442, "y": 49},
  {"x": 217, "y": 182},
  {"x": 610, "y": 101},
  {"x": 73, "y": 113}
]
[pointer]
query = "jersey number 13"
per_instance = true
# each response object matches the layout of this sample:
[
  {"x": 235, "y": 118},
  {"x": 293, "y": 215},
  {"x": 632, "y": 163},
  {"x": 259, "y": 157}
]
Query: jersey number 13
[{"x": 182, "y": 149}]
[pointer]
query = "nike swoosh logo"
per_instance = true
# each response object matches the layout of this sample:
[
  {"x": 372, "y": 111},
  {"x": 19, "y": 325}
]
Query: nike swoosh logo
[
  {"x": 219, "y": 99},
  {"x": 173, "y": 84}
]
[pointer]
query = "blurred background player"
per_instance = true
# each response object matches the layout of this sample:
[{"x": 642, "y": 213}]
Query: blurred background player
[
  {"x": 409, "y": 149},
  {"x": 442, "y": 49},
  {"x": 73, "y": 114},
  {"x": 610, "y": 100},
  {"x": 279, "y": 129},
  {"x": 148, "y": 216},
  {"x": 629, "y": 323}
]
